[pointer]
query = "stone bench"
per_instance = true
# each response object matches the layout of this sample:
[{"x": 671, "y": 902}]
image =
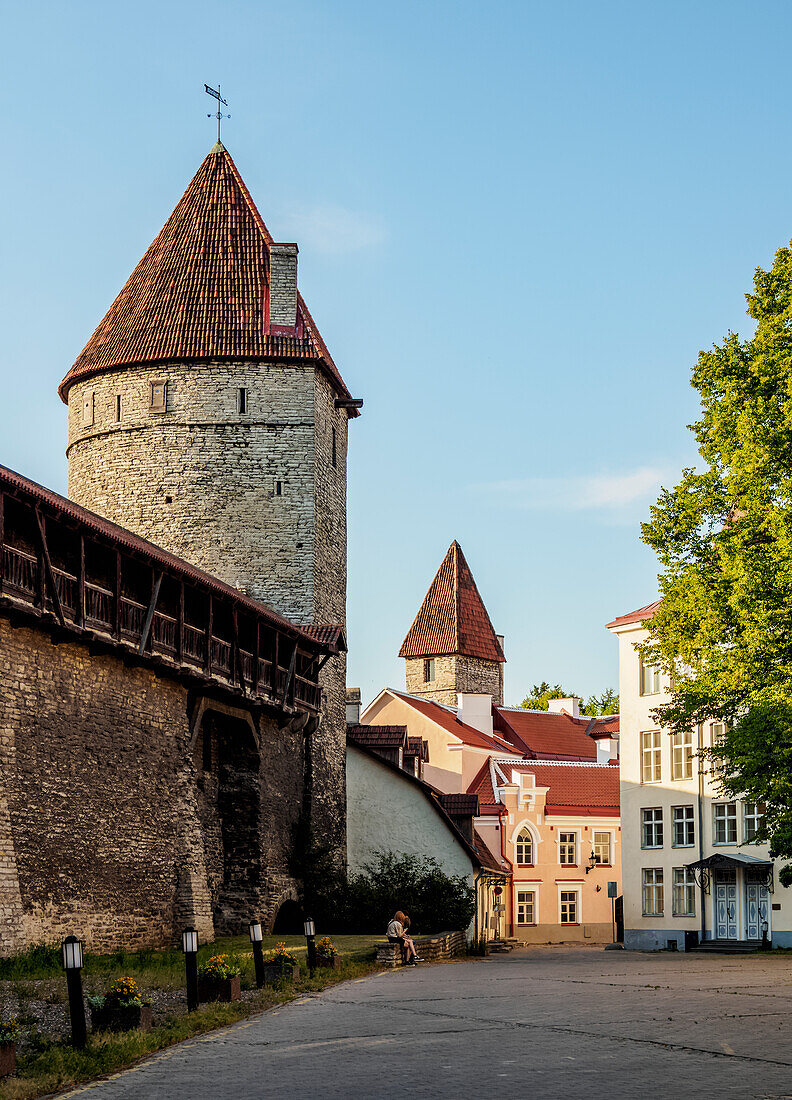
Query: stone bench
[{"x": 430, "y": 948}]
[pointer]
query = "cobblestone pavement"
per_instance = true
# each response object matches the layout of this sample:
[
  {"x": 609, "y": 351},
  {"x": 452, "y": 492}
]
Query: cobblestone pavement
[{"x": 545, "y": 1022}]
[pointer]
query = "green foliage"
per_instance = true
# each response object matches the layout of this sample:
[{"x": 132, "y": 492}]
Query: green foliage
[
  {"x": 281, "y": 956},
  {"x": 433, "y": 900},
  {"x": 9, "y": 1031},
  {"x": 219, "y": 967},
  {"x": 541, "y": 694},
  {"x": 723, "y": 538},
  {"x": 325, "y": 948}
]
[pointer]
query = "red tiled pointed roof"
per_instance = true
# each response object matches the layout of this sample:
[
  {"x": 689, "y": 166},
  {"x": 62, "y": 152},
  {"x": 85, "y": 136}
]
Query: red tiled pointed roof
[
  {"x": 452, "y": 618},
  {"x": 635, "y": 616},
  {"x": 202, "y": 289},
  {"x": 482, "y": 785}
]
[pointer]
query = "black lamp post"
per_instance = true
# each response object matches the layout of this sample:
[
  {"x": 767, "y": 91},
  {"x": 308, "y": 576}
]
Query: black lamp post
[
  {"x": 592, "y": 862},
  {"x": 310, "y": 935},
  {"x": 190, "y": 949},
  {"x": 258, "y": 956},
  {"x": 72, "y": 964}
]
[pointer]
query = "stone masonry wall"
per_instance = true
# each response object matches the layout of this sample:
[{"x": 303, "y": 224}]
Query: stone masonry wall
[
  {"x": 455, "y": 673},
  {"x": 102, "y": 829}
]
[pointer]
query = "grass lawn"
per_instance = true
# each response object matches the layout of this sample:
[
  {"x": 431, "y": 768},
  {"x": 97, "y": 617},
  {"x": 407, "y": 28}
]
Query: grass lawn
[{"x": 33, "y": 988}]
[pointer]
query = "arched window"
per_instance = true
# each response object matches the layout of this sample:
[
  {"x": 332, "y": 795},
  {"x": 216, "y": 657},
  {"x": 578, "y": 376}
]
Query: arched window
[{"x": 525, "y": 847}]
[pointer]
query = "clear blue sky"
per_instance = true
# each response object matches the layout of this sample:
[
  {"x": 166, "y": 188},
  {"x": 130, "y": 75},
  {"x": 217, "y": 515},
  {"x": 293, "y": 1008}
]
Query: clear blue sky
[{"x": 518, "y": 223}]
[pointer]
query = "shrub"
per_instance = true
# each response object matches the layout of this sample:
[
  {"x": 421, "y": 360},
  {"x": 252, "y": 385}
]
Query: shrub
[
  {"x": 219, "y": 967},
  {"x": 434, "y": 900}
]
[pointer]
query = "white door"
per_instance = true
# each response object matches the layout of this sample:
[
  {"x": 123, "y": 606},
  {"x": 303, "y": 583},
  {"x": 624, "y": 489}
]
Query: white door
[
  {"x": 726, "y": 910},
  {"x": 757, "y": 910}
]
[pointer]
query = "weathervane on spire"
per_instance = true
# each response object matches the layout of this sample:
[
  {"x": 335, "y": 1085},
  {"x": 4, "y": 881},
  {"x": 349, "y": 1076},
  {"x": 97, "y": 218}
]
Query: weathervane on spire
[{"x": 218, "y": 114}]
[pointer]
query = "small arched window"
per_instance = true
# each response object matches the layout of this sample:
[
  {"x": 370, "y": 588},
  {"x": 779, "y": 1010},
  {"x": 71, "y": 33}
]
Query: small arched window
[{"x": 525, "y": 847}]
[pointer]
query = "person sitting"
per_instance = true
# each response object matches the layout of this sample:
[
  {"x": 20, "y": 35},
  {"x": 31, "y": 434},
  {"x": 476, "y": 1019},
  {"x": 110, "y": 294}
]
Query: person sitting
[
  {"x": 395, "y": 934},
  {"x": 409, "y": 940}
]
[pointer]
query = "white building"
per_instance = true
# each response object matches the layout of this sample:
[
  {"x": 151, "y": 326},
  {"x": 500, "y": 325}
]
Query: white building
[{"x": 691, "y": 870}]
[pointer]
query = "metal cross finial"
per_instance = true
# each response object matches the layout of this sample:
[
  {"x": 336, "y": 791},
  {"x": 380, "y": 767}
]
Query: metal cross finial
[{"x": 218, "y": 114}]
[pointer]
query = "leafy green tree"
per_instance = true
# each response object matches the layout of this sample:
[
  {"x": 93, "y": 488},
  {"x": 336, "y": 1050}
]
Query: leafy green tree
[
  {"x": 723, "y": 537},
  {"x": 541, "y": 694},
  {"x": 433, "y": 900}
]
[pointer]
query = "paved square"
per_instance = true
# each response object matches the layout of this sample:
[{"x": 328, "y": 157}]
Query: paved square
[{"x": 545, "y": 1022}]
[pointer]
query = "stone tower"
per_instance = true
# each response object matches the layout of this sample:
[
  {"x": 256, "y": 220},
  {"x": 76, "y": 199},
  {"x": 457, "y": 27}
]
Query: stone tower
[
  {"x": 206, "y": 414},
  {"x": 452, "y": 647}
]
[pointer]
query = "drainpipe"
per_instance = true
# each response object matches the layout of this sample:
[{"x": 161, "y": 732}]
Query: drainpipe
[
  {"x": 701, "y": 825},
  {"x": 476, "y": 882},
  {"x": 511, "y": 868}
]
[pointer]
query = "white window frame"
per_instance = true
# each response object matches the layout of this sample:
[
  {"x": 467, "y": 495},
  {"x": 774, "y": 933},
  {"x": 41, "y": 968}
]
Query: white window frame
[
  {"x": 687, "y": 821},
  {"x": 682, "y": 755},
  {"x": 524, "y": 832},
  {"x": 687, "y": 888},
  {"x": 651, "y": 676},
  {"x": 609, "y": 834},
  {"x": 429, "y": 670},
  {"x": 654, "y": 888},
  {"x": 725, "y": 818},
  {"x": 717, "y": 732},
  {"x": 651, "y": 755},
  {"x": 655, "y": 824},
  {"x": 532, "y": 892},
  {"x": 756, "y": 816},
  {"x": 565, "y": 843},
  {"x": 566, "y": 888}
]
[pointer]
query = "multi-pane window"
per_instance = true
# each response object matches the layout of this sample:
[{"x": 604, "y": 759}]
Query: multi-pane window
[
  {"x": 652, "y": 828},
  {"x": 650, "y": 757},
  {"x": 684, "y": 900},
  {"x": 682, "y": 755},
  {"x": 525, "y": 847},
  {"x": 567, "y": 848},
  {"x": 753, "y": 812},
  {"x": 526, "y": 907},
  {"x": 653, "y": 891},
  {"x": 684, "y": 826},
  {"x": 429, "y": 670},
  {"x": 650, "y": 679},
  {"x": 725, "y": 823},
  {"x": 569, "y": 907},
  {"x": 602, "y": 847},
  {"x": 717, "y": 732}
]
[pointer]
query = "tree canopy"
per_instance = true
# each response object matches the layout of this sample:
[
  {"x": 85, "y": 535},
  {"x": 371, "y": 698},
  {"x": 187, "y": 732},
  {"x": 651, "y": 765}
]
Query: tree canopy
[
  {"x": 541, "y": 694},
  {"x": 723, "y": 538}
]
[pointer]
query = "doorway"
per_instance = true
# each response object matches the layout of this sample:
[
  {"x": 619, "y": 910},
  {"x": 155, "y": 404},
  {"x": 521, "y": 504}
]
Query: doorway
[{"x": 725, "y": 902}]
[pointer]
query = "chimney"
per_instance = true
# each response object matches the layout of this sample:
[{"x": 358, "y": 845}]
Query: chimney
[
  {"x": 353, "y": 706},
  {"x": 501, "y": 642},
  {"x": 475, "y": 711},
  {"x": 570, "y": 705},
  {"x": 283, "y": 286}
]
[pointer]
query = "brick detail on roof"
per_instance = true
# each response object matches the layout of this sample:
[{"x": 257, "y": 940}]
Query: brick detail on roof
[
  {"x": 452, "y": 618},
  {"x": 202, "y": 290},
  {"x": 378, "y": 737},
  {"x": 460, "y": 805}
]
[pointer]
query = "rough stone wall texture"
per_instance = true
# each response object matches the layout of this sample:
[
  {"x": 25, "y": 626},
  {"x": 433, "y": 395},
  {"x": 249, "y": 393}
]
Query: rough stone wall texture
[
  {"x": 105, "y": 829},
  {"x": 455, "y": 673},
  {"x": 256, "y": 498},
  {"x": 283, "y": 284}
]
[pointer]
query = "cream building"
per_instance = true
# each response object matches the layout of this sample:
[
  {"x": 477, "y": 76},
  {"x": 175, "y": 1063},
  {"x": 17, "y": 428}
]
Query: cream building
[{"x": 691, "y": 871}]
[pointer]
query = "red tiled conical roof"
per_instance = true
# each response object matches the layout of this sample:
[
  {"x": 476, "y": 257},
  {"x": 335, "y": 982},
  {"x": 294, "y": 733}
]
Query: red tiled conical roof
[
  {"x": 201, "y": 290},
  {"x": 453, "y": 618}
]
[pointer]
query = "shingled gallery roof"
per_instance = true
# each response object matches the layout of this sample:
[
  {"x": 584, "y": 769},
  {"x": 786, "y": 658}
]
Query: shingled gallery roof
[
  {"x": 452, "y": 618},
  {"x": 202, "y": 290}
]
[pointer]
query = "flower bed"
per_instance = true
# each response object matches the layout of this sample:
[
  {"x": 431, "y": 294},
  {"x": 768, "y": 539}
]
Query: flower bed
[
  {"x": 9, "y": 1033},
  {"x": 280, "y": 965},
  {"x": 326, "y": 954},
  {"x": 219, "y": 979},
  {"x": 121, "y": 1008}
]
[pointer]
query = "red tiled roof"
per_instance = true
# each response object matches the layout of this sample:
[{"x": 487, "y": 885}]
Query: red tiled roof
[
  {"x": 576, "y": 788},
  {"x": 487, "y": 856},
  {"x": 417, "y": 746},
  {"x": 635, "y": 616},
  {"x": 448, "y": 720},
  {"x": 482, "y": 785},
  {"x": 119, "y": 536},
  {"x": 459, "y": 805},
  {"x": 452, "y": 618},
  {"x": 606, "y": 726},
  {"x": 545, "y": 733},
  {"x": 328, "y": 634},
  {"x": 383, "y": 737},
  {"x": 202, "y": 289}
]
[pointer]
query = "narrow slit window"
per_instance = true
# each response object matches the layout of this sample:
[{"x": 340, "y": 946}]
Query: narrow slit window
[
  {"x": 278, "y": 488},
  {"x": 118, "y": 408},
  {"x": 334, "y": 446},
  {"x": 242, "y": 400}
]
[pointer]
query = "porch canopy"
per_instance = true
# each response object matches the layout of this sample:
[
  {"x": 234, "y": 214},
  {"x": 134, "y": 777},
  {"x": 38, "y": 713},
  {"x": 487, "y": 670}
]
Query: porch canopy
[{"x": 720, "y": 860}]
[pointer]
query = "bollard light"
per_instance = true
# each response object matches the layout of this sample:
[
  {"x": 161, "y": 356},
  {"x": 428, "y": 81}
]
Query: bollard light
[
  {"x": 72, "y": 964},
  {"x": 258, "y": 956},
  {"x": 310, "y": 933},
  {"x": 190, "y": 949}
]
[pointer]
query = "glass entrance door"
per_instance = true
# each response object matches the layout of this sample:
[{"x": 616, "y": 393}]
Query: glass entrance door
[{"x": 757, "y": 910}]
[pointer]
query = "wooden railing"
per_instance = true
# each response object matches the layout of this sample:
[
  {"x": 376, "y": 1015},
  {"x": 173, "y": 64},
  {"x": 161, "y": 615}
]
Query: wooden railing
[{"x": 22, "y": 576}]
